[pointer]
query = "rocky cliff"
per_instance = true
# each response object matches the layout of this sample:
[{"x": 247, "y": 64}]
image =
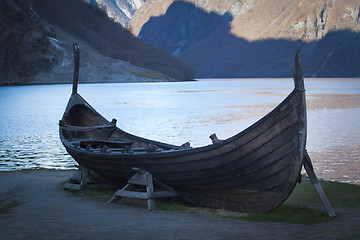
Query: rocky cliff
[
  {"x": 306, "y": 20},
  {"x": 119, "y": 10},
  {"x": 255, "y": 38},
  {"x": 25, "y": 48}
]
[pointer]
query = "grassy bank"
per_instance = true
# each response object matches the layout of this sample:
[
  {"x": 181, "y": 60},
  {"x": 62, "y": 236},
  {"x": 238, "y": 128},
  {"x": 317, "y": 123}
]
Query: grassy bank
[{"x": 302, "y": 207}]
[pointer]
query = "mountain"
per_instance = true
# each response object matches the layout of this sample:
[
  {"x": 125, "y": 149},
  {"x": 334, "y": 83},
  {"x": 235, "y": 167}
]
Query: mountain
[
  {"x": 120, "y": 11},
  {"x": 36, "y": 46},
  {"x": 255, "y": 38},
  {"x": 110, "y": 38},
  {"x": 25, "y": 48}
]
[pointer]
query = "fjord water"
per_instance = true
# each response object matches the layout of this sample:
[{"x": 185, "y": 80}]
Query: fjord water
[{"x": 180, "y": 112}]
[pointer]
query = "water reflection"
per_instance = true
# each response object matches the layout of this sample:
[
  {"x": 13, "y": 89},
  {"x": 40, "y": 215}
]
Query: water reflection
[{"x": 29, "y": 152}]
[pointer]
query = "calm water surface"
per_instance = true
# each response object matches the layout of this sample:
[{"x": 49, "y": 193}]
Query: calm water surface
[{"x": 177, "y": 113}]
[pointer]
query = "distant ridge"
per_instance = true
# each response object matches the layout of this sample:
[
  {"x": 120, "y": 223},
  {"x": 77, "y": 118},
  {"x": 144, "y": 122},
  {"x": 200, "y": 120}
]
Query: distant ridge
[{"x": 255, "y": 38}]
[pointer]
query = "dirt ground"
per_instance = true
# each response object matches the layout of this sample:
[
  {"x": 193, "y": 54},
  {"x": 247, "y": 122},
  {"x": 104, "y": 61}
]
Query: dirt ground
[{"x": 48, "y": 212}]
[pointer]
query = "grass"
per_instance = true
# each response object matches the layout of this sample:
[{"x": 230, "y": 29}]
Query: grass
[
  {"x": 287, "y": 213},
  {"x": 302, "y": 207},
  {"x": 7, "y": 206},
  {"x": 290, "y": 214},
  {"x": 173, "y": 206},
  {"x": 342, "y": 195}
]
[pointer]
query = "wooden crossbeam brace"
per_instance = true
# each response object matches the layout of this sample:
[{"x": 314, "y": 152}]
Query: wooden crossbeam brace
[
  {"x": 145, "y": 179},
  {"x": 79, "y": 181},
  {"x": 314, "y": 180}
]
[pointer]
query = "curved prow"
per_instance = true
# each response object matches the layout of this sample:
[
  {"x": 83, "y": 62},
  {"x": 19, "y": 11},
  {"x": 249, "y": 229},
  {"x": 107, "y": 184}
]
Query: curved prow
[
  {"x": 76, "y": 51},
  {"x": 298, "y": 73}
]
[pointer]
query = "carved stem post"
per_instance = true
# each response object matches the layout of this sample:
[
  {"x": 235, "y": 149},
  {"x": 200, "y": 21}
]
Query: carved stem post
[{"x": 76, "y": 50}]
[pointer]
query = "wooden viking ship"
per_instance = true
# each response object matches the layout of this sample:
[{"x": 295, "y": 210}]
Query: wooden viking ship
[{"x": 256, "y": 169}]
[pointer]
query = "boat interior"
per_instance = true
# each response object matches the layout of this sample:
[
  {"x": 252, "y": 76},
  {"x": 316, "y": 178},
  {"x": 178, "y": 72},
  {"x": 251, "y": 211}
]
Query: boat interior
[{"x": 86, "y": 129}]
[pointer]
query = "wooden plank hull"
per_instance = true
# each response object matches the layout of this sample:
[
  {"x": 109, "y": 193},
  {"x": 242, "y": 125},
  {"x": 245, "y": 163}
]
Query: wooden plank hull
[{"x": 256, "y": 169}]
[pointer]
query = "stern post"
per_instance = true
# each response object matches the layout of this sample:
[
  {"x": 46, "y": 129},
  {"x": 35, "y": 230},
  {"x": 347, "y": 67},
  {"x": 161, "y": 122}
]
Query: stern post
[
  {"x": 302, "y": 121},
  {"x": 76, "y": 51},
  {"x": 306, "y": 161},
  {"x": 298, "y": 73},
  {"x": 300, "y": 86}
]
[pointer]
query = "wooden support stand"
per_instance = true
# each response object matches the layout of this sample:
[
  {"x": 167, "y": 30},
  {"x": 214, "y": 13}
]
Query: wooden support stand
[
  {"x": 144, "y": 179},
  {"x": 80, "y": 181},
  {"x": 314, "y": 180}
]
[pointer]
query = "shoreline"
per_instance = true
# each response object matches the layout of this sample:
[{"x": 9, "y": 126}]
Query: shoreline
[
  {"x": 143, "y": 80},
  {"x": 151, "y": 80}
]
